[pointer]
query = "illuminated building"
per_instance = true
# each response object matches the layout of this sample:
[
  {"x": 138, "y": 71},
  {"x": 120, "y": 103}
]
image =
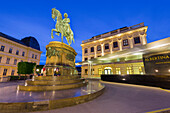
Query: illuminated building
[
  {"x": 13, "y": 51},
  {"x": 117, "y": 52}
]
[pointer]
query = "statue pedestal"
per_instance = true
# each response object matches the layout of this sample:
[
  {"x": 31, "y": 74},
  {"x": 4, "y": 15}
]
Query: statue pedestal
[{"x": 60, "y": 59}]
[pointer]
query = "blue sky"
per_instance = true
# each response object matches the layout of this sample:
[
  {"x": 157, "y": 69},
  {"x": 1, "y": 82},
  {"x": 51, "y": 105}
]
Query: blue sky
[{"x": 20, "y": 18}]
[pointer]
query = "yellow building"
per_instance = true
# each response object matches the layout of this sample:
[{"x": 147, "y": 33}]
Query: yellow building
[
  {"x": 97, "y": 50},
  {"x": 13, "y": 51}
]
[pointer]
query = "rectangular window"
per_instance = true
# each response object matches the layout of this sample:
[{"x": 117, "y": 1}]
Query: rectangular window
[
  {"x": 86, "y": 71},
  {"x": 2, "y": 48},
  {"x": 35, "y": 56},
  {"x": 106, "y": 46},
  {"x": 12, "y": 72},
  {"x": 17, "y": 52},
  {"x": 0, "y": 59},
  {"x": 86, "y": 50},
  {"x": 125, "y": 42},
  {"x": 100, "y": 71},
  {"x": 99, "y": 48},
  {"x": 15, "y": 61},
  {"x": 99, "y": 56},
  {"x": 118, "y": 71},
  {"x": 21, "y": 60},
  {"x": 137, "y": 40},
  {"x": 141, "y": 70},
  {"x": 8, "y": 60},
  {"x": 115, "y": 44},
  {"x": 92, "y": 49},
  {"x": 5, "y": 72},
  {"x": 129, "y": 70},
  {"x": 32, "y": 55},
  {"x": 10, "y": 50},
  {"x": 23, "y": 53},
  {"x": 85, "y": 59}
]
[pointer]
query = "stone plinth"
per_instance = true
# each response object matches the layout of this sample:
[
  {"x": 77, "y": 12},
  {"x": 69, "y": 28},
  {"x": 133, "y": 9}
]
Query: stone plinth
[{"x": 60, "y": 59}]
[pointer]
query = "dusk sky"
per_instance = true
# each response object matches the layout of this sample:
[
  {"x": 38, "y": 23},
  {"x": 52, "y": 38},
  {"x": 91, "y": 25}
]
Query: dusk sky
[{"x": 22, "y": 18}]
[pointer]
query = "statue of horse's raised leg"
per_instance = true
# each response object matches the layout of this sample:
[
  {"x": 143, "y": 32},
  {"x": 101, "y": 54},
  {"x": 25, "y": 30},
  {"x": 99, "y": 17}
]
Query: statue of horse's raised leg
[{"x": 52, "y": 36}]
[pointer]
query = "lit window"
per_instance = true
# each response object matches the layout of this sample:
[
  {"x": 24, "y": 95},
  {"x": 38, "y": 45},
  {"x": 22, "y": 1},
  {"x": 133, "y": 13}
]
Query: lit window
[
  {"x": 23, "y": 53},
  {"x": 100, "y": 71},
  {"x": 115, "y": 44},
  {"x": 125, "y": 42},
  {"x": 0, "y": 59},
  {"x": 5, "y": 72},
  {"x": 35, "y": 56},
  {"x": 118, "y": 71},
  {"x": 129, "y": 70},
  {"x": 32, "y": 55},
  {"x": 92, "y": 49},
  {"x": 106, "y": 46},
  {"x": 137, "y": 40},
  {"x": 2, "y": 48},
  {"x": 15, "y": 61},
  {"x": 99, "y": 48},
  {"x": 86, "y": 50},
  {"x": 10, "y": 50},
  {"x": 141, "y": 70},
  {"x": 12, "y": 72},
  {"x": 8, "y": 60},
  {"x": 17, "y": 52}
]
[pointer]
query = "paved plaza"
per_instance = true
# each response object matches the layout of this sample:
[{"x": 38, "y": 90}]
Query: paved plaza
[
  {"x": 117, "y": 98},
  {"x": 122, "y": 98}
]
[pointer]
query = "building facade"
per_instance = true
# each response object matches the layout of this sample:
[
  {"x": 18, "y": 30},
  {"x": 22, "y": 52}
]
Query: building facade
[
  {"x": 13, "y": 51},
  {"x": 97, "y": 47}
]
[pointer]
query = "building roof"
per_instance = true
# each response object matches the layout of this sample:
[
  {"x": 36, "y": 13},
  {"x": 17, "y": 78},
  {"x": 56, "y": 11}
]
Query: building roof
[
  {"x": 114, "y": 32},
  {"x": 135, "y": 53},
  {"x": 31, "y": 42},
  {"x": 28, "y": 41}
]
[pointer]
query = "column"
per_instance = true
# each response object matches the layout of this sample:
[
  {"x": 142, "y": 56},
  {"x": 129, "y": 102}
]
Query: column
[
  {"x": 130, "y": 39},
  {"x": 89, "y": 69},
  {"x": 102, "y": 47},
  {"x": 82, "y": 54},
  {"x": 120, "y": 43},
  {"x": 89, "y": 53},
  {"x": 143, "y": 39},
  {"x": 110, "y": 46},
  {"x": 95, "y": 51}
]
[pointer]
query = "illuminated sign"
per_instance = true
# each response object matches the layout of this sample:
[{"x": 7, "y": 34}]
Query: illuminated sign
[{"x": 154, "y": 58}]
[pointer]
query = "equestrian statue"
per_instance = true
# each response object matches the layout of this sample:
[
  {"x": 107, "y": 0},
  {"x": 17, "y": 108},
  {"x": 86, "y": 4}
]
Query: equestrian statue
[{"x": 62, "y": 26}]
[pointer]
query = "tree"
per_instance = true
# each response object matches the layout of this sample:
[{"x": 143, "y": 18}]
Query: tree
[{"x": 26, "y": 68}]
